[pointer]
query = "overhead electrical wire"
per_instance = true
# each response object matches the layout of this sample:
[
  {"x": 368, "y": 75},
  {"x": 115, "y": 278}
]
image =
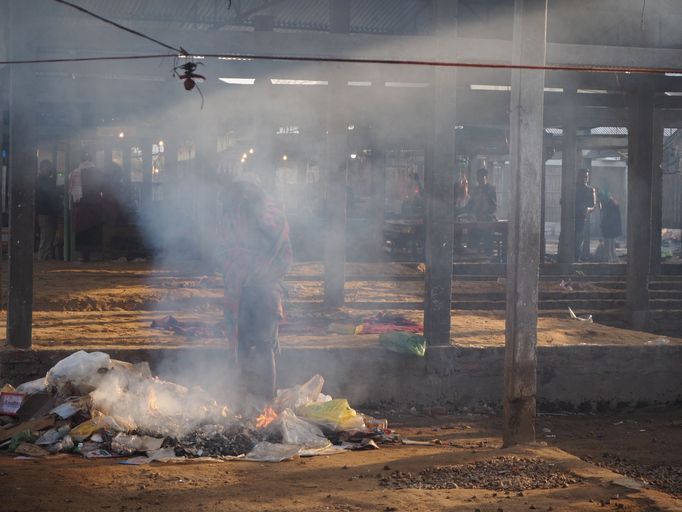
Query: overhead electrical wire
[
  {"x": 122, "y": 27},
  {"x": 349, "y": 60},
  {"x": 181, "y": 52}
]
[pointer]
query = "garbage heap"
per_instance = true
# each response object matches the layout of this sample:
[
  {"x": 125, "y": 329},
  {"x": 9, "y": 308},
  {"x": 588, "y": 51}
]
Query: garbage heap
[{"x": 92, "y": 405}]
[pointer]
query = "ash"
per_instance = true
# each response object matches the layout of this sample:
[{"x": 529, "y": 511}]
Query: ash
[
  {"x": 216, "y": 441},
  {"x": 499, "y": 474}
]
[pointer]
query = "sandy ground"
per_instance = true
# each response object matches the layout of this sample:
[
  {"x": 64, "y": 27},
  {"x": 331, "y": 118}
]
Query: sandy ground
[
  {"x": 107, "y": 305},
  {"x": 112, "y": 305},
  {"x": 647, "y": 440}
]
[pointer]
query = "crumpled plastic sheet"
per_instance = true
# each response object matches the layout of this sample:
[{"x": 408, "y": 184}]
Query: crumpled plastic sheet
[
  {"x": 297, "y": 431},
  {"x": 34, "y": 386},
  {"x": 298, "y": 396},
  {"x": 127, "y": 444},
  {"x": 80, "y": 371},
  {"x": 272, "y": 452}
]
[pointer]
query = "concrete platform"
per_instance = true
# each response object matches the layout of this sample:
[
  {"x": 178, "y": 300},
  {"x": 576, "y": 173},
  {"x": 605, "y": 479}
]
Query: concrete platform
[{"x": 569, "y": 377}]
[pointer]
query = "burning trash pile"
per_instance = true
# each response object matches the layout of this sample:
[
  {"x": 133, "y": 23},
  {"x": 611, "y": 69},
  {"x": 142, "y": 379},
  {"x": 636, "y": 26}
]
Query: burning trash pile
[{"x": 92, "y": 405}]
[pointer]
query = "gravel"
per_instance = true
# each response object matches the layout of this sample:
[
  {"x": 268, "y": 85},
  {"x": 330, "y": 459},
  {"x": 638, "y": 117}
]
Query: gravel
[
  {"x": 499, "y": 474},
  {"x": 664, "y": 477}
]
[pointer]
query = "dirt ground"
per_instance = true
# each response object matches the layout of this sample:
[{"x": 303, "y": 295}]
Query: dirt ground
[
  {"x": 107, "y": 305},
  {"x": 639, "y": 443}
]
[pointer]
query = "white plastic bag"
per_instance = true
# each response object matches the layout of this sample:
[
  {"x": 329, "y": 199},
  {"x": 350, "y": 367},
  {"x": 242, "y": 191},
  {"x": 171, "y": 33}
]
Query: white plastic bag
[
  {"x": 271, "y": 452},
  {"x": 128, "y": 444},
  {"x": 298, "y": 396},
  {"x": 34, "y": 386},
  {"x": 297, "y": 431},
  {"x": 81, "y": 371}
]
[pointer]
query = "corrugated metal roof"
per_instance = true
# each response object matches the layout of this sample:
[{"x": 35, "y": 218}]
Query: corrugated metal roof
[{"x": 367, "y": 16}]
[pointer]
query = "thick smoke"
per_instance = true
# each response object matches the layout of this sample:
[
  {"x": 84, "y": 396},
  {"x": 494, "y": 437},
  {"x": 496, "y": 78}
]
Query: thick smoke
[{"x": 277, "y": 132}]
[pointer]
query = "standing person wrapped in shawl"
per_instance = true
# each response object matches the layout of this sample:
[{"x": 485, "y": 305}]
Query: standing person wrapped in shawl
[{"x": 256, "y": 255}]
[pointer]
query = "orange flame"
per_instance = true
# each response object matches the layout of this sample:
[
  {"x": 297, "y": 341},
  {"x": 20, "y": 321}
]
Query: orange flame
[{"x": 267, "y": 417}]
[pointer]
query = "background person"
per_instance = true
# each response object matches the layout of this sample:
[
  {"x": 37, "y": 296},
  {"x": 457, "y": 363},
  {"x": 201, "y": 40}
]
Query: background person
[
  {"x": 611, "y": 225},
  {"x": 256, "y": 254},
  {"x": 585, "y": 202},
  {"x": 482, "y": 206},
  {"x": 47, "y": 208}
]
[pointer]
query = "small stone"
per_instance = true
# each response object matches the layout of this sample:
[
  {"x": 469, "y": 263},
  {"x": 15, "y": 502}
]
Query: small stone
[{"x": 387, "y": 467}]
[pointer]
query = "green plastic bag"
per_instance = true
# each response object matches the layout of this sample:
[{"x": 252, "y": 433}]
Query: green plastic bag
[
  {"x": 25, "y": 436},
  {"x": 404, "y": 343}
]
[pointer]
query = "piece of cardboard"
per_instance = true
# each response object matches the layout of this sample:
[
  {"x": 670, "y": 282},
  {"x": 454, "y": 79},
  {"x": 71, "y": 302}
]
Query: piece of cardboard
[
  {"x": 10, "y": 402},
  {"x": 36, "y": 405},
  {"x": 31, "y": 450},
  {"x": 38, "y": 424}
]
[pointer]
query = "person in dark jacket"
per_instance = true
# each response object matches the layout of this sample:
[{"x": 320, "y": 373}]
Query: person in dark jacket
[
  {"x": 483, "y": 202},
  {"x": 585, "y": 202},
  {"x": 47, "y": 208},
  {"x": 611, "y": 226},
  {"x": 482, "y": 206}
]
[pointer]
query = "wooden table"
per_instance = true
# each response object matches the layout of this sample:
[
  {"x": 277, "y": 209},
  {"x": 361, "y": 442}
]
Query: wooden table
[
  {"x": 497, "y": 228},
  {"x": 407, "y": 235}
]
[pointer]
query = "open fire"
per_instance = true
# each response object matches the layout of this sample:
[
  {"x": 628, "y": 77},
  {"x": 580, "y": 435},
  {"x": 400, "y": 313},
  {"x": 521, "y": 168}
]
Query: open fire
[{"x": 267, "y": 416}]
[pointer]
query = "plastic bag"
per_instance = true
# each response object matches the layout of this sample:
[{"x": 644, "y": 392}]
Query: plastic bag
[
  {"x": 404, "y": 343},
  {"x": 69, "y": 408},
  {"x": 87, "y": 428},
  {"x": 53, "y": 435},
  {"x": 64, "y": 445},
  {"x": 271, "y": 452},
  {"x": 298, "y": 396},
  {"x": 34, "y": 386},
  {"x": 127, "y": 444},
  {"x": 582, "y": 318},
  {"x": 335, "y": 415},
  {"x": 297, "y": 431},
  {"x": 80, "y": 372},
  {"x": 19, "y": 438}
]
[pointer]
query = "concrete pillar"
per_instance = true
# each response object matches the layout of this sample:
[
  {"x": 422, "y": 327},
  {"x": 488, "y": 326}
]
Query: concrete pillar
[
  {"x": 22, "y": 175},
  {"x": 569, "y": 150},
  {"x": 639, "y": 219},
  {"x": 526, "y": 148},
  {"x": 378, "y": 202},
  {"x": 335, "y": 177},
  {"x": 656, "y": 197},
  {"x": 543, "y": 241},
  {"x": 439, "y": 182}
]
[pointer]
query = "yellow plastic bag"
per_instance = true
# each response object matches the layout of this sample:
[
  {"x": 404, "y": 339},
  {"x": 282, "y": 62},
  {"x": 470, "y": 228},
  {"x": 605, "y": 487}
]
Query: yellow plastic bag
[
  {"x": 336, "y": 415},
  {"x": 87, "y": 428}
]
